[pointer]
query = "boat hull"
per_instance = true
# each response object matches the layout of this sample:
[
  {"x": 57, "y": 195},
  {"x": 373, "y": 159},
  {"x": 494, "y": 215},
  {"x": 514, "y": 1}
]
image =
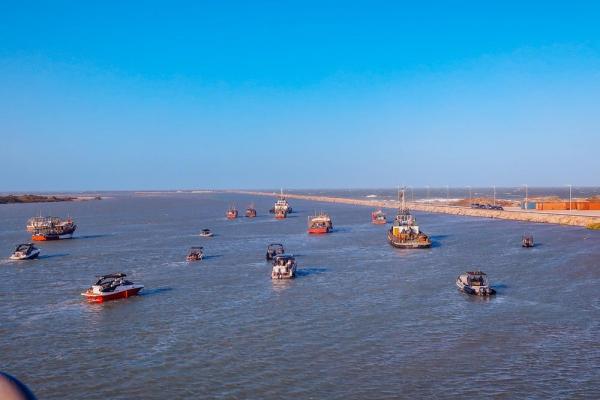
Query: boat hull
[
  {"x": 470, "y": 291},
  {"x": 44, "y": 238},
  {"x": 28, "y": 257},
  {"x": 101, "y": 298},
  {"x": 319, "y": 231},
  {"x": 378, "y": 222},
  {"x": 408, "y": 244}
]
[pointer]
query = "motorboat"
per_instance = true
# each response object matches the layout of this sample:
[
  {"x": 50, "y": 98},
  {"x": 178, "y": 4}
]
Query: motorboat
[
  {"x": 251, "y": 211},
  {"x": 274, "y": 249},
  {"x": 25, "y": 251},
  {"x": 527, "y": 241},
  {"x": 378, "y": 217},
  {"x": 232, "y": 213},
  {"x": 111, "y": 287},
  {"x": 196, "y": 253},
  {"x": 284, "y": 267},
  {"x": 206, "y": 233},
  {"x": 320, "y": 224},
  {"x": 280, "y": 214},
  {"x": 475, "y": 283}
]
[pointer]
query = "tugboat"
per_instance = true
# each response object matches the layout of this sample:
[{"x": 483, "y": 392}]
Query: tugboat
[
  {"x": 274, "y": 249},
  {"x": 206, "y": 233},
  {"x": 475, "y": 283},
  {"x": 378, "y": 217},
  {"x": 196, "y": 253},
  {"x": 232, "y": 213},
  {"x": 280, "y": 214},
  {"x": 527, "y": 241},
  {"x": 25, "y": 251},
  {"x": 405, "y": 233},
  {"x": 281, "y": 205},
  {"x": 284, "y": 267},
  {"x": 111, "y": 287},
  {"x": 251, "y": 211},
  {"x": 319, "y": 224},
  {"x": 50, "y": 227}
]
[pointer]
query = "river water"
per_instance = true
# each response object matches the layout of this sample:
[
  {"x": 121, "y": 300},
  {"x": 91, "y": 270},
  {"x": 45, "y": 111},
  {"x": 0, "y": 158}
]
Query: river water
[{"x": 362, "y": 319}]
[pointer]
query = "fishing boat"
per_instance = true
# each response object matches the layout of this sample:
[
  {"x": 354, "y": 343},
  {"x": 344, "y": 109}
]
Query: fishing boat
[
  {"x": 251, "y": 211},
  {"x": 57, "y": 225},
  {"x": 274, "y": 249},
  {"x": 42, "y": 235},
  {"x": 527, "y": 241},
  {"x": 196, "y": 253},
  {"x": 284, "y": 267},
  {"x": 378, "y": 217},
  {"x": 405, "y": 233},
  {"x": 232, "y": 213},
  {"x": 281, "y": 205},
  {"x": 280, "y": 214},
  {"x": 319, "y": 224},
  {"x": 25, "y": 251},
  {"x": 475, "y": 283},
  {"x": 111, "y": 287},
  {"x": 206, "y": 233}
]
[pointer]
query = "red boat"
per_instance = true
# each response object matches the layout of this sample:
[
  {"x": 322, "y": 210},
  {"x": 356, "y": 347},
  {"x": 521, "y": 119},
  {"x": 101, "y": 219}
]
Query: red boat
[
  {"x": 319, "y": 224},
  {"x": 280, "y": 214},
  {"x": 251, "y": 211},
  {"x": 378, "y": 217},
  {"x": 111, "y": 287},
  {"x": 43, "y": 236},
  {"x": 232, "y": 213}
]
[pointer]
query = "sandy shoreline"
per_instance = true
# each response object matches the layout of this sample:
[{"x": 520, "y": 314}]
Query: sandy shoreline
[{"x": 514, "y": 215}]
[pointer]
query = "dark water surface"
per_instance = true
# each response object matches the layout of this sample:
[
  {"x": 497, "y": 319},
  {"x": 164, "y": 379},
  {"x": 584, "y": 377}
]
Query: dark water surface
[{"x": 362, "y": 320}]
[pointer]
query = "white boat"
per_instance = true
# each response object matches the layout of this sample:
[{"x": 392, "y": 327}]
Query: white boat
[
  {"x": 284, "y": 267},
  {"x": 111, "y": 287},
  {"x": 475, "y": 283},
  {"x": 25, "y": 251},
  {"x": 206, "y": 233},
  {"x": 281, "y": 205}
]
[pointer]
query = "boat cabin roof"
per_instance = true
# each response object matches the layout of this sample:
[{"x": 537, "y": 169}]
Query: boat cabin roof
[
  {"x": 284, "y": 257},
  {"x": 205, "y": 230},
  {"x": 476, "y": 273},
  {"x": 24, "y": 246},
  {"x": 196, "y": 248},
  {"x": 272, "y": 245}
]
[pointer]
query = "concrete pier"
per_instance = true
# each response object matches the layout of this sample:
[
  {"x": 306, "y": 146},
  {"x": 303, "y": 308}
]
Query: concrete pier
[{"x": 520, "y": 215}]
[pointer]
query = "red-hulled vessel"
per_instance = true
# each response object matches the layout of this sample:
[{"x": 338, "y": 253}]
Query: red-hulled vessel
[
  {"x": 111, "y": 287},
  {"x": 232, "y": 213},
  {"x": 41, "y": 236},
  {"x": 378, "y": 217},
  {"x": 50, "y": 228},
  {"x": 319, "y": 224},
  {"x": 280, "y": 214}
]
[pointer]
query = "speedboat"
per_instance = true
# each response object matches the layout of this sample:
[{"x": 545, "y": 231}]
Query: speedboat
[
  {"x": 195, "y": 254},
  {"x": 206, "y": 233},
  {"x": 111, "y": 287},
  {"x": 527, "y": 241},
  {"x": 25, "y": 251},
  {"x": 475, "y": 283},
  {"x": 274, "y": 249},
  {"x": 284, "y": 267}
]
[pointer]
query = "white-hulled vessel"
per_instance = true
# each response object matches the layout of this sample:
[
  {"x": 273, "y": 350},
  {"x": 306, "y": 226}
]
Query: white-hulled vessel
[
  {"x": 25, "y": 251},
  {"x": 475, "y": 283},
  {"x": 284, "y": 267}
]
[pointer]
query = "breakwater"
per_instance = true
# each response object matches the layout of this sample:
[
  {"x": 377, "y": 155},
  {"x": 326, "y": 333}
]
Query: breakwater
[{"x": 526, "y": 216}]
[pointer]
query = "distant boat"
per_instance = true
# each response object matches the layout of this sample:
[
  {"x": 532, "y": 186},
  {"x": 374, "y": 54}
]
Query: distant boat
[
  {"x": 281, "y": 205},
  {"x": 527, "y": 241},
  {"x": 378, "y": 217},
  {"x": 25, "y": 251},
  {"x": 251, "y": 211},
  {"x": 475, "y": 283},
  {"x": 50, "y": 228},
  {"x": 232, "y": 213},
  {"x": 320, "y": 224},
  {"x": 405, "y": 233},
  {"x": 196, "y": 253},
  {"x": 284, "y": 267},
  {"x": 206, "y": 233}
]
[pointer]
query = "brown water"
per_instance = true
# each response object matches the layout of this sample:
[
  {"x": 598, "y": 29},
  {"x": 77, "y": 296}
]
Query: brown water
[{"x": 362, "y": 320}]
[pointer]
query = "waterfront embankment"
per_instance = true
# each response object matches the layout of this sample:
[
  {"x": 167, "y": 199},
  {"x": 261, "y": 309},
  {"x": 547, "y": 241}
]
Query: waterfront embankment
[{"x": 514, "y": 215}]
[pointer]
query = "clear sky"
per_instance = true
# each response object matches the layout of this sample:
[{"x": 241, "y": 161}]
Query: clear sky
[{"x": 165, "y": 95}]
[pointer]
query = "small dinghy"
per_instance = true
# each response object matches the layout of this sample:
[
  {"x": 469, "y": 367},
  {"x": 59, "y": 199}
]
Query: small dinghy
[
  {"x": 25, "y": 251},
  {"x": 196, "y": 253},
  {"x": 475, "y": 283},
  {"x": 206, "y": 233},
  {"x": 274, "y": 249},
  {"x": 284, "y": 267},
  {"x": 111, "y": 287}
]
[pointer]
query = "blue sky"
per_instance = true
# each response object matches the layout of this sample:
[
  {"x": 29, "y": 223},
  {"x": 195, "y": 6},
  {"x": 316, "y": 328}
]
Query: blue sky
[{"x": 167, "y": 95}]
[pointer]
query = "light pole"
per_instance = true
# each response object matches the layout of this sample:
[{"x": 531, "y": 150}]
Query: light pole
[
  {"x": 494, "y": 194},
  {"x": 470, "y": 197},
  {"x": 427, "y": 194},
  {"x": 526, "y": 198},
  {"x": 447, "y": 194},
  {"x": 570, "y": 197}
]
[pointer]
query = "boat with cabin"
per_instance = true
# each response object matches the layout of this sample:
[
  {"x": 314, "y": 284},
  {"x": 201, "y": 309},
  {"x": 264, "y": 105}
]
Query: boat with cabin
[
  {"x": 251, "y": 211},
  {"x": 284, "y": 267},
  {"x": 281, "y": 205},
  {"x": 405, "y": 233},
  {"x": 280, "y": 214},
  {"x": 206, "y": 233},
  {"x": 474, "y": 283},
  {"x": 111, "y": 287},
  {"x": 50, "y": 228},
  {"x": 196, "y": 253},
  {"x": 320, "y": 224},
  {"x": 274, "y": 249},
  {"x": 25, "y": 251},
  {"x": 527, "y": 241},
  {"x": 378, "y": 217},
  {"x": 232, "y": 212}
]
